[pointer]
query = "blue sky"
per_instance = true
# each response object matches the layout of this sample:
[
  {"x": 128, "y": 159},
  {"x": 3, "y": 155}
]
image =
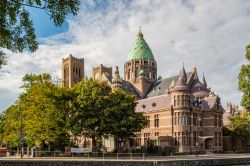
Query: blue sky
[
  {"x": 44, "y": 26},
  {"x": 211, "y": 35}
]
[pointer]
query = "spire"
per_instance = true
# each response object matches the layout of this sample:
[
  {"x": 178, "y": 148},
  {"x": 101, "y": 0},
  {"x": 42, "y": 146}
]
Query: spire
[
  {"x": 140, "y": 34},
  {"x": 194, "y": 73},
  {"x": 183, "y": 74},
  {"x": 172, "y": 84},
  {"x": 204, "y": 80}
]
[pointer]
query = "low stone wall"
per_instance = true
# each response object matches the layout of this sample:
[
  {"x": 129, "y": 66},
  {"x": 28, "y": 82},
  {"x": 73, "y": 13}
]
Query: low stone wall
[{"x": 34, "y": 162}]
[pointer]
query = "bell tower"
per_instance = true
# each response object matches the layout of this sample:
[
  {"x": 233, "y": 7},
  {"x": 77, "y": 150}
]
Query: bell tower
[
  {"x": 140, "y": 68},
  {"x": 72, "y": 70}
]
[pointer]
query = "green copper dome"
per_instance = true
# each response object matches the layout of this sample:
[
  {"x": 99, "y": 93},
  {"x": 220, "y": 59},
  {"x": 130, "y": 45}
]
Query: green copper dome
[{"x": 140, "y": 49}]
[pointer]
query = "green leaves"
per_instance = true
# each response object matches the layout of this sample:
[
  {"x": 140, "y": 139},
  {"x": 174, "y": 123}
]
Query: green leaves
[
  {"x": 240, "y": 125},
  {"x": 43, "y": 120},
  {"x": 98, "y": 112},
  {"x": 50, "y": 113},
  {"x": 17, "y": 32},
  {"x": 2, "y": 59},
  {"x": 244, "y": 81}
]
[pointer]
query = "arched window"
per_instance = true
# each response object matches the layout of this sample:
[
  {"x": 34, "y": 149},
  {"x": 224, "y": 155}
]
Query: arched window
[
  {"x": 178, "y": 100},
  {"x": 129, "y": 72},
  {"x": 174, "y": 101},
  {"x": 136, "y": 72},
  {"x": 74, "y": 71}
]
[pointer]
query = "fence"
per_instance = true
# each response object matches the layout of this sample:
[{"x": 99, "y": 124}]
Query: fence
[{"x": 83, "y": 155}]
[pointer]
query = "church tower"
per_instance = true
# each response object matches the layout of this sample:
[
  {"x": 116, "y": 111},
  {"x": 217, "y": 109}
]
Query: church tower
[
  {"x": 72, "y": 70},
  {"x": 140, "y": 68}
]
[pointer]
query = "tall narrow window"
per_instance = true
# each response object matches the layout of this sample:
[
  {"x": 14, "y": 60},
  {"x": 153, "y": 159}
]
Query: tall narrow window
[
  {"x": 195, "y": 119},
  {"x": 148, "y": 122},
  {"x": 179, "y": 116},
  {"x": 183, "y": 139},
  {"x": 176, "y": 139},
  {"x": 156, "y": 120},
  {"x": 178, "y": 100},
  {"x": 129, "y": 73},
  {"x": 174, "y": 101},
  {"x": 179, "y": 139},
  {"x": 194, "y": 138},
  {"x": 215, "y": 121},
  {"x": 175, "y": 118}
]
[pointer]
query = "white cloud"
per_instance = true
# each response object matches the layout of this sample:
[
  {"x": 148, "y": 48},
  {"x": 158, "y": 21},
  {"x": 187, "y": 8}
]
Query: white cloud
[{"x": 210, "y": 35}]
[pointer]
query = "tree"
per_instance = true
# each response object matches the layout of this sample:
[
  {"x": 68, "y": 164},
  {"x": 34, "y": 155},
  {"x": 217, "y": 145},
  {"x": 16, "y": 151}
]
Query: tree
[
  {"x": 16, "y": 28},
  {"x": 43, "y": 121},
  {"x": 10, "y": 127},
  {"x": 2, "y": 59},
  {"x": 239, "y": 125},
  {"x": 244, "y": 81},
  {"x": 123, "y": 120},
  {"x": 98, "y": 112},
  {"x": 87, "y": 115}
]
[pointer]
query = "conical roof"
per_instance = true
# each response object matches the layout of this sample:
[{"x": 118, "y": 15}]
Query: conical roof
[
  {"x": 183, "y": 74},
  {"x": 140, "y": 49},
  {"x": 204, "y": 81}
]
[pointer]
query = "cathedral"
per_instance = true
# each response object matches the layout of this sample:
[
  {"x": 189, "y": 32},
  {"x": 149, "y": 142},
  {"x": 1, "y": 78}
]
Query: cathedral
[{"x": 182, "y": 112}]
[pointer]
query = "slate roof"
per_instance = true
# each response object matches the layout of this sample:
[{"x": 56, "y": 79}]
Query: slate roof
[
  {"x": 109, "y": 77},
  {"x": 160, "y": 86},
  {"x": 154, "y": 103},
  {"x": 208, "y": 103},
  {"x": 127, "y": 86}
]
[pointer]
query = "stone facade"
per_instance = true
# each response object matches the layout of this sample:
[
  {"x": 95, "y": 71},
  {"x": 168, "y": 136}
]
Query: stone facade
[
  {"x": 183, "y": 114},
  {"x": 72, "y": 71}
]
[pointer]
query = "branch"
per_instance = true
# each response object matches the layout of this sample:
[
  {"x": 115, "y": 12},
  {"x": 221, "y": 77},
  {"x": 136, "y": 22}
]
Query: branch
[{"x": 24, "y": 4}]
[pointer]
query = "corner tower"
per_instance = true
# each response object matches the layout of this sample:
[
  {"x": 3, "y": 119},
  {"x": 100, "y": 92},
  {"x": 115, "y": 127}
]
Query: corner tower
[
  {"x": 72, "y": 70},
  {"x": 140, "y": 60}
]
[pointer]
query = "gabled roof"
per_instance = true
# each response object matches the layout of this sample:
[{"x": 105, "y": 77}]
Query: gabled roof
[
  {"x": 140, "y": 49},
  {"x": 160, "y": 86}
]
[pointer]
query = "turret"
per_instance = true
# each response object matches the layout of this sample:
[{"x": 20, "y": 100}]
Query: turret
[
  {"x": 181, "y": 92},
  {"x": 116, "y": 81}
]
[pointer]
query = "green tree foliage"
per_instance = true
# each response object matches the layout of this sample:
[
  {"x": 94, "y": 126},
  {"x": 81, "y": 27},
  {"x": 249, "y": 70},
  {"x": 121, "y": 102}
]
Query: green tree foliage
[
  {"x": 239, "y": 125},
  {"x": 10, "y": 126},
  {"x": 123, "y": 120},
  {"x": 43, "y": 122},
  {"x": 89, "y": 107},
  {"x": 16, "y": 28},
  {"x": 2, "y": 59},
  {"x": 244, "y": 81},
  {"x": 98, "y": 112},
  {"x": 50, "y": 113}
]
